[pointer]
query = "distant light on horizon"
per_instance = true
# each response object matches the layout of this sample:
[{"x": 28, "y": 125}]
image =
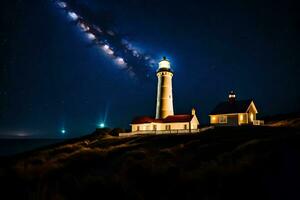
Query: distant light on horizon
[
  {"x": 16, "y": 134},
  {"x": 63, "y": 131},
  {"x": 101, "y": 125}
]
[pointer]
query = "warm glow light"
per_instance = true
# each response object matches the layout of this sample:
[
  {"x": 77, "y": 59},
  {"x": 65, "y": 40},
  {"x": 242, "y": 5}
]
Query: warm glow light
[
  {"x": 241, "y": 117},
  {"x": 73, "y": 15},
  {"x": 251, "y": 117},
  {"x": 223, "y": 119}
]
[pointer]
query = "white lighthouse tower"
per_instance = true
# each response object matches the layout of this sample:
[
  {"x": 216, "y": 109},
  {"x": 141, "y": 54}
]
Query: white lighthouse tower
[
  {"x": 165, "y": 121},
  {"x": 164, "y": 102}
]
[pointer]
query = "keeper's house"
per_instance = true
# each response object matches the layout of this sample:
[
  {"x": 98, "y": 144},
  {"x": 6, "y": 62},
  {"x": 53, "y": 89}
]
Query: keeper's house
[{"x": 235, "y": 113}]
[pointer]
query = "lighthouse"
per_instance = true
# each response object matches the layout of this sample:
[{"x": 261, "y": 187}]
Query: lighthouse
[
  {"x": 164, "y": 101},
  {"x": 165, "y": 121}
]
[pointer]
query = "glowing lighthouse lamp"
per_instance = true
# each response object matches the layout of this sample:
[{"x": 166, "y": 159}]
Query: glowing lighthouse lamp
[{"x": 164, "y": 64}]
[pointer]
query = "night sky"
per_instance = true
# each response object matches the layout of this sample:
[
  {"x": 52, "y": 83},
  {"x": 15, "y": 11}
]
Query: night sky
[{"x": 53, "y": 77}]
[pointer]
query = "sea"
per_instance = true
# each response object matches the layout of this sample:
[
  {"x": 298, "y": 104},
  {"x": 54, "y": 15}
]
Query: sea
[{"x": 10, "y": 147}]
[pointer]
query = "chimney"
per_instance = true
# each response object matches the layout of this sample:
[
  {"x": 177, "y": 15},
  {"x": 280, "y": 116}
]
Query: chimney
[
  {"x": 231, "y": 97},
  {"x": 193, "y": 111}
]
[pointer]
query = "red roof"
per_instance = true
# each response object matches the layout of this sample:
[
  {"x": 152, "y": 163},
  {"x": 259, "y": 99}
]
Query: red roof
[
  {"x": 178, "y": 118},
  {"x": 169, "y": 119},
  {"x": 142, "y": 120}
]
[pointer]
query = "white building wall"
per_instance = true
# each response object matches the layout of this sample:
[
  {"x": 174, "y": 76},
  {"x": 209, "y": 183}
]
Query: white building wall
[
  {"x": 160, "y": 126},
  {"x": 194, "y": 122},
  {"x": 166, "y": 126},
  {"x": 164, "y": 102}
]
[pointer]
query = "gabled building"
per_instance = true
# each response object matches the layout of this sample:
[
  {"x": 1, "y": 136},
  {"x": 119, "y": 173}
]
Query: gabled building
[
  {"x": 169, "y": 124},
  {"x": 234, "y": 112}
]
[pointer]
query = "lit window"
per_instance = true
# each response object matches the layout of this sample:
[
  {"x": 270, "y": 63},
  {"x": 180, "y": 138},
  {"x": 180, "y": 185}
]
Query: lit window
[
  {"x": 223, "y": 119},
  {"x": 154, "y": 127},
  {"x": 213, "y": 119},
  {"x": 251, "y": 117},
  {"x": 241, "y": 117}
]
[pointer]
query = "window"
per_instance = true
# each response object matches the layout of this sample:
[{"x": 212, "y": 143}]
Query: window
[
  {"x": 168, "y": 127},
  {"x": 223, "y": 119},
  {"x": 154, "y": 127},
  {"x": 213, "y": 119},
  {"x": 241, "y": 117},
  {"x": 185, "y": 126},
  {"x": 251, "y": 117}
]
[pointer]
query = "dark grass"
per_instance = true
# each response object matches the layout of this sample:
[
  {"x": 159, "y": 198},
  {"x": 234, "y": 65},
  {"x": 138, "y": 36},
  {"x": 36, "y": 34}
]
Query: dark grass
[{"x": 221, "y": 163}]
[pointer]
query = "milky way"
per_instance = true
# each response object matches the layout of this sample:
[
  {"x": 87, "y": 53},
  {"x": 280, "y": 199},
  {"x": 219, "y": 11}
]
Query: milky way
[{"x": 128, "y": 58}]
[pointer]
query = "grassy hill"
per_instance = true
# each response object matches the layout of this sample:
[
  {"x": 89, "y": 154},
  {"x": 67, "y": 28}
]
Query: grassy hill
[
  {"x": 220, "y": 163},
  {"x": 284, "y": 120}
]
